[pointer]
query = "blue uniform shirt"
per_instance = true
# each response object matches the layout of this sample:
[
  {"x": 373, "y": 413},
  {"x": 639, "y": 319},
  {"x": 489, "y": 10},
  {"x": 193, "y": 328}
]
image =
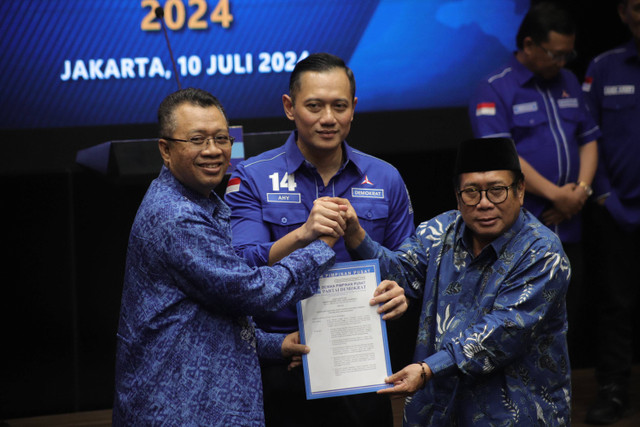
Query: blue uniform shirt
[
  {"x": 612, "y": 91},
  {"x": 272, "y": 194},
  {"x": 187, "y": 354},
  {"x": 548, "y": 121},
  {"x": 492, "y": 327}
]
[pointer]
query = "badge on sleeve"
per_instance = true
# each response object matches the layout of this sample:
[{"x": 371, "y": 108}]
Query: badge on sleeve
[
  {"x": 233, "y": 185},
  {"x": 486, "y": 109}
]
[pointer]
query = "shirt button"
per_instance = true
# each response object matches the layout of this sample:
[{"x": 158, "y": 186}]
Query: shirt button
[
  {"x": 369, "y": 214},
  {"x": 283, "y": 220}
]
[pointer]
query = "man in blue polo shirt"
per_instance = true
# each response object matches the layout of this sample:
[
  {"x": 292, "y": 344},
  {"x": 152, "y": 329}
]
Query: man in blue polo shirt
[
  {"x": 533, "y": 100},
  {"x": 612, "y": 91},
  {"x": 276, "y": 200}
]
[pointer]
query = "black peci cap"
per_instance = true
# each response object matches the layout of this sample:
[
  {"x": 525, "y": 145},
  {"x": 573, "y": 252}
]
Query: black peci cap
[{"x": 487, "y": 154}]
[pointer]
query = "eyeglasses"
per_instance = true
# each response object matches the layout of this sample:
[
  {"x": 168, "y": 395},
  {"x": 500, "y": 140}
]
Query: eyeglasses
[
  {"x": 561, "y": 56},
  {"x": 221, "y": 141},
  {"x": 496, "y": 195}
]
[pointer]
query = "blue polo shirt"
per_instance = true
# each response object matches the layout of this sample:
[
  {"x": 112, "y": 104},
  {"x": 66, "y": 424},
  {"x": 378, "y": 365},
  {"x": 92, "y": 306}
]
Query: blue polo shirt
[
  {"x": 548, "y": 121},
  {"x": 272, "y": 194},
  {"x": 612, "y": 92}
]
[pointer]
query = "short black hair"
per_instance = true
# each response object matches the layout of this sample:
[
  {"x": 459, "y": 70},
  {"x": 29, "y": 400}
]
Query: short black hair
[
  {"x": 199, "y": 97},
  {"x": 542, "y": 18},
  {"x": 319, "y": 62}
]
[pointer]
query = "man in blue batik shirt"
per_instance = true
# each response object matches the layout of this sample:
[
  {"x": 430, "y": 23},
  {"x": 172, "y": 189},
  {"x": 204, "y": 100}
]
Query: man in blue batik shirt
[
  {"x": 273, "y": 198},
  {"x": 491, "y": 347},
  {"x": 186, "y": 349},
  {"x": 612, "y": 90}
]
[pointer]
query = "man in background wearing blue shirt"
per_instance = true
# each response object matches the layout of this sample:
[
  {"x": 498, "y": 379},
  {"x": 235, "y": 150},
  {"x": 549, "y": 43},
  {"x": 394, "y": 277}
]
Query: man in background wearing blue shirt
[
  {"x": 274, "y": 201},
  {"x": 539, "y": 104},
  {"x": 491, "y": 347},
  {"x": 612, "y": 90}
]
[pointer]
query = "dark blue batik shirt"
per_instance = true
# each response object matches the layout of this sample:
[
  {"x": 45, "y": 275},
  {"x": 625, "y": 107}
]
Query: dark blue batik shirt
[
  {"x": 493, "y": 327},
  {"x": 186, "y": 348}
]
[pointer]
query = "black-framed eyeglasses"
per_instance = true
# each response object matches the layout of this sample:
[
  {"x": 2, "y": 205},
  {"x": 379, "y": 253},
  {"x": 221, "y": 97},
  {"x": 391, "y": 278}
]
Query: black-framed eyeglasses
[
  {"x": 561, "y": 56},
  {"x": 221, "y": 141},
  {"x": 496, "y": 195}
]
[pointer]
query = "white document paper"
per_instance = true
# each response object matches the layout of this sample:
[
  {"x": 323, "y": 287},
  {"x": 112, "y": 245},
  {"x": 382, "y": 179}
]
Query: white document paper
[{"x": 348, "y": 340}]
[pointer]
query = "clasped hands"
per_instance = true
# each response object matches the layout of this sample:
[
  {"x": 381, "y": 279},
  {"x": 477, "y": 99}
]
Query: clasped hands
[
  {"x": 568, "y": 201},
  {"x": 330, "y": 219},
  {"x": 334, "y": 217}
]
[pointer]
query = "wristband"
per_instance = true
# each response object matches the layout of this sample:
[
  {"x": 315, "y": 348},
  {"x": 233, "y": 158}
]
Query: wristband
[
  {"x": 423, "y": 374},
  {"x": 587, "y": 188}
]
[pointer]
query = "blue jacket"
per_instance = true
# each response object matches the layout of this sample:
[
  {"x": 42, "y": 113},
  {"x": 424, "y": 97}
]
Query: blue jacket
[
  {"x": 548, "y": 121},
  {"x": 272, "y": 194},
  {"x": 612, "y": 91}
]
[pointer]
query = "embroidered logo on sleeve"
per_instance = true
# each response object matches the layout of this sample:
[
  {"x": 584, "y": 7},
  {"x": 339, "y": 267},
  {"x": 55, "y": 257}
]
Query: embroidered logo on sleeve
[
  {"x": 486, "y": 109},
  {"x": 586, "y": 85},
  {"x": 233, "y": 185}
]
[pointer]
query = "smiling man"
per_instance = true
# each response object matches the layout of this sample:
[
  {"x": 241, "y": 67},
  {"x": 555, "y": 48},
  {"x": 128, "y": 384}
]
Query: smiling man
[
  {"x": 278, "y": 207},
  {"x": 491, "y": 347},
  {"x": 186, "y": 349}
]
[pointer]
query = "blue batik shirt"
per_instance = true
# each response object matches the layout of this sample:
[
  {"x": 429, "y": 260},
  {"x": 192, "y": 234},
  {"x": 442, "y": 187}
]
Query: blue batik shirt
[
  {"x": 548, "y": 121},
  {"x": 612, "y": 91},
  {"x": 186, "y": 348},
  {"x": 492, "y": 328},
  {"x": 272, "y": 194}
]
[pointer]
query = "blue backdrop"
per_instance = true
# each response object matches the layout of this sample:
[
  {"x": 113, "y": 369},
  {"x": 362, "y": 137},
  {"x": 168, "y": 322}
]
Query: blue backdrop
[{"x": 84, "y": 63}]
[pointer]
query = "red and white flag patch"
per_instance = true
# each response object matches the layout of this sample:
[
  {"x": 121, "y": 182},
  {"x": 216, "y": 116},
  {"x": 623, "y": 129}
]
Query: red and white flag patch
[
  {"x": 486, "y": 109},
  {"x": 233, "y": 185}
]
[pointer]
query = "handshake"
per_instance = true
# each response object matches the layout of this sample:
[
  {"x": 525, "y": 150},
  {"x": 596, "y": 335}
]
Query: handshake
[{"x": 330, "y": 219}]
